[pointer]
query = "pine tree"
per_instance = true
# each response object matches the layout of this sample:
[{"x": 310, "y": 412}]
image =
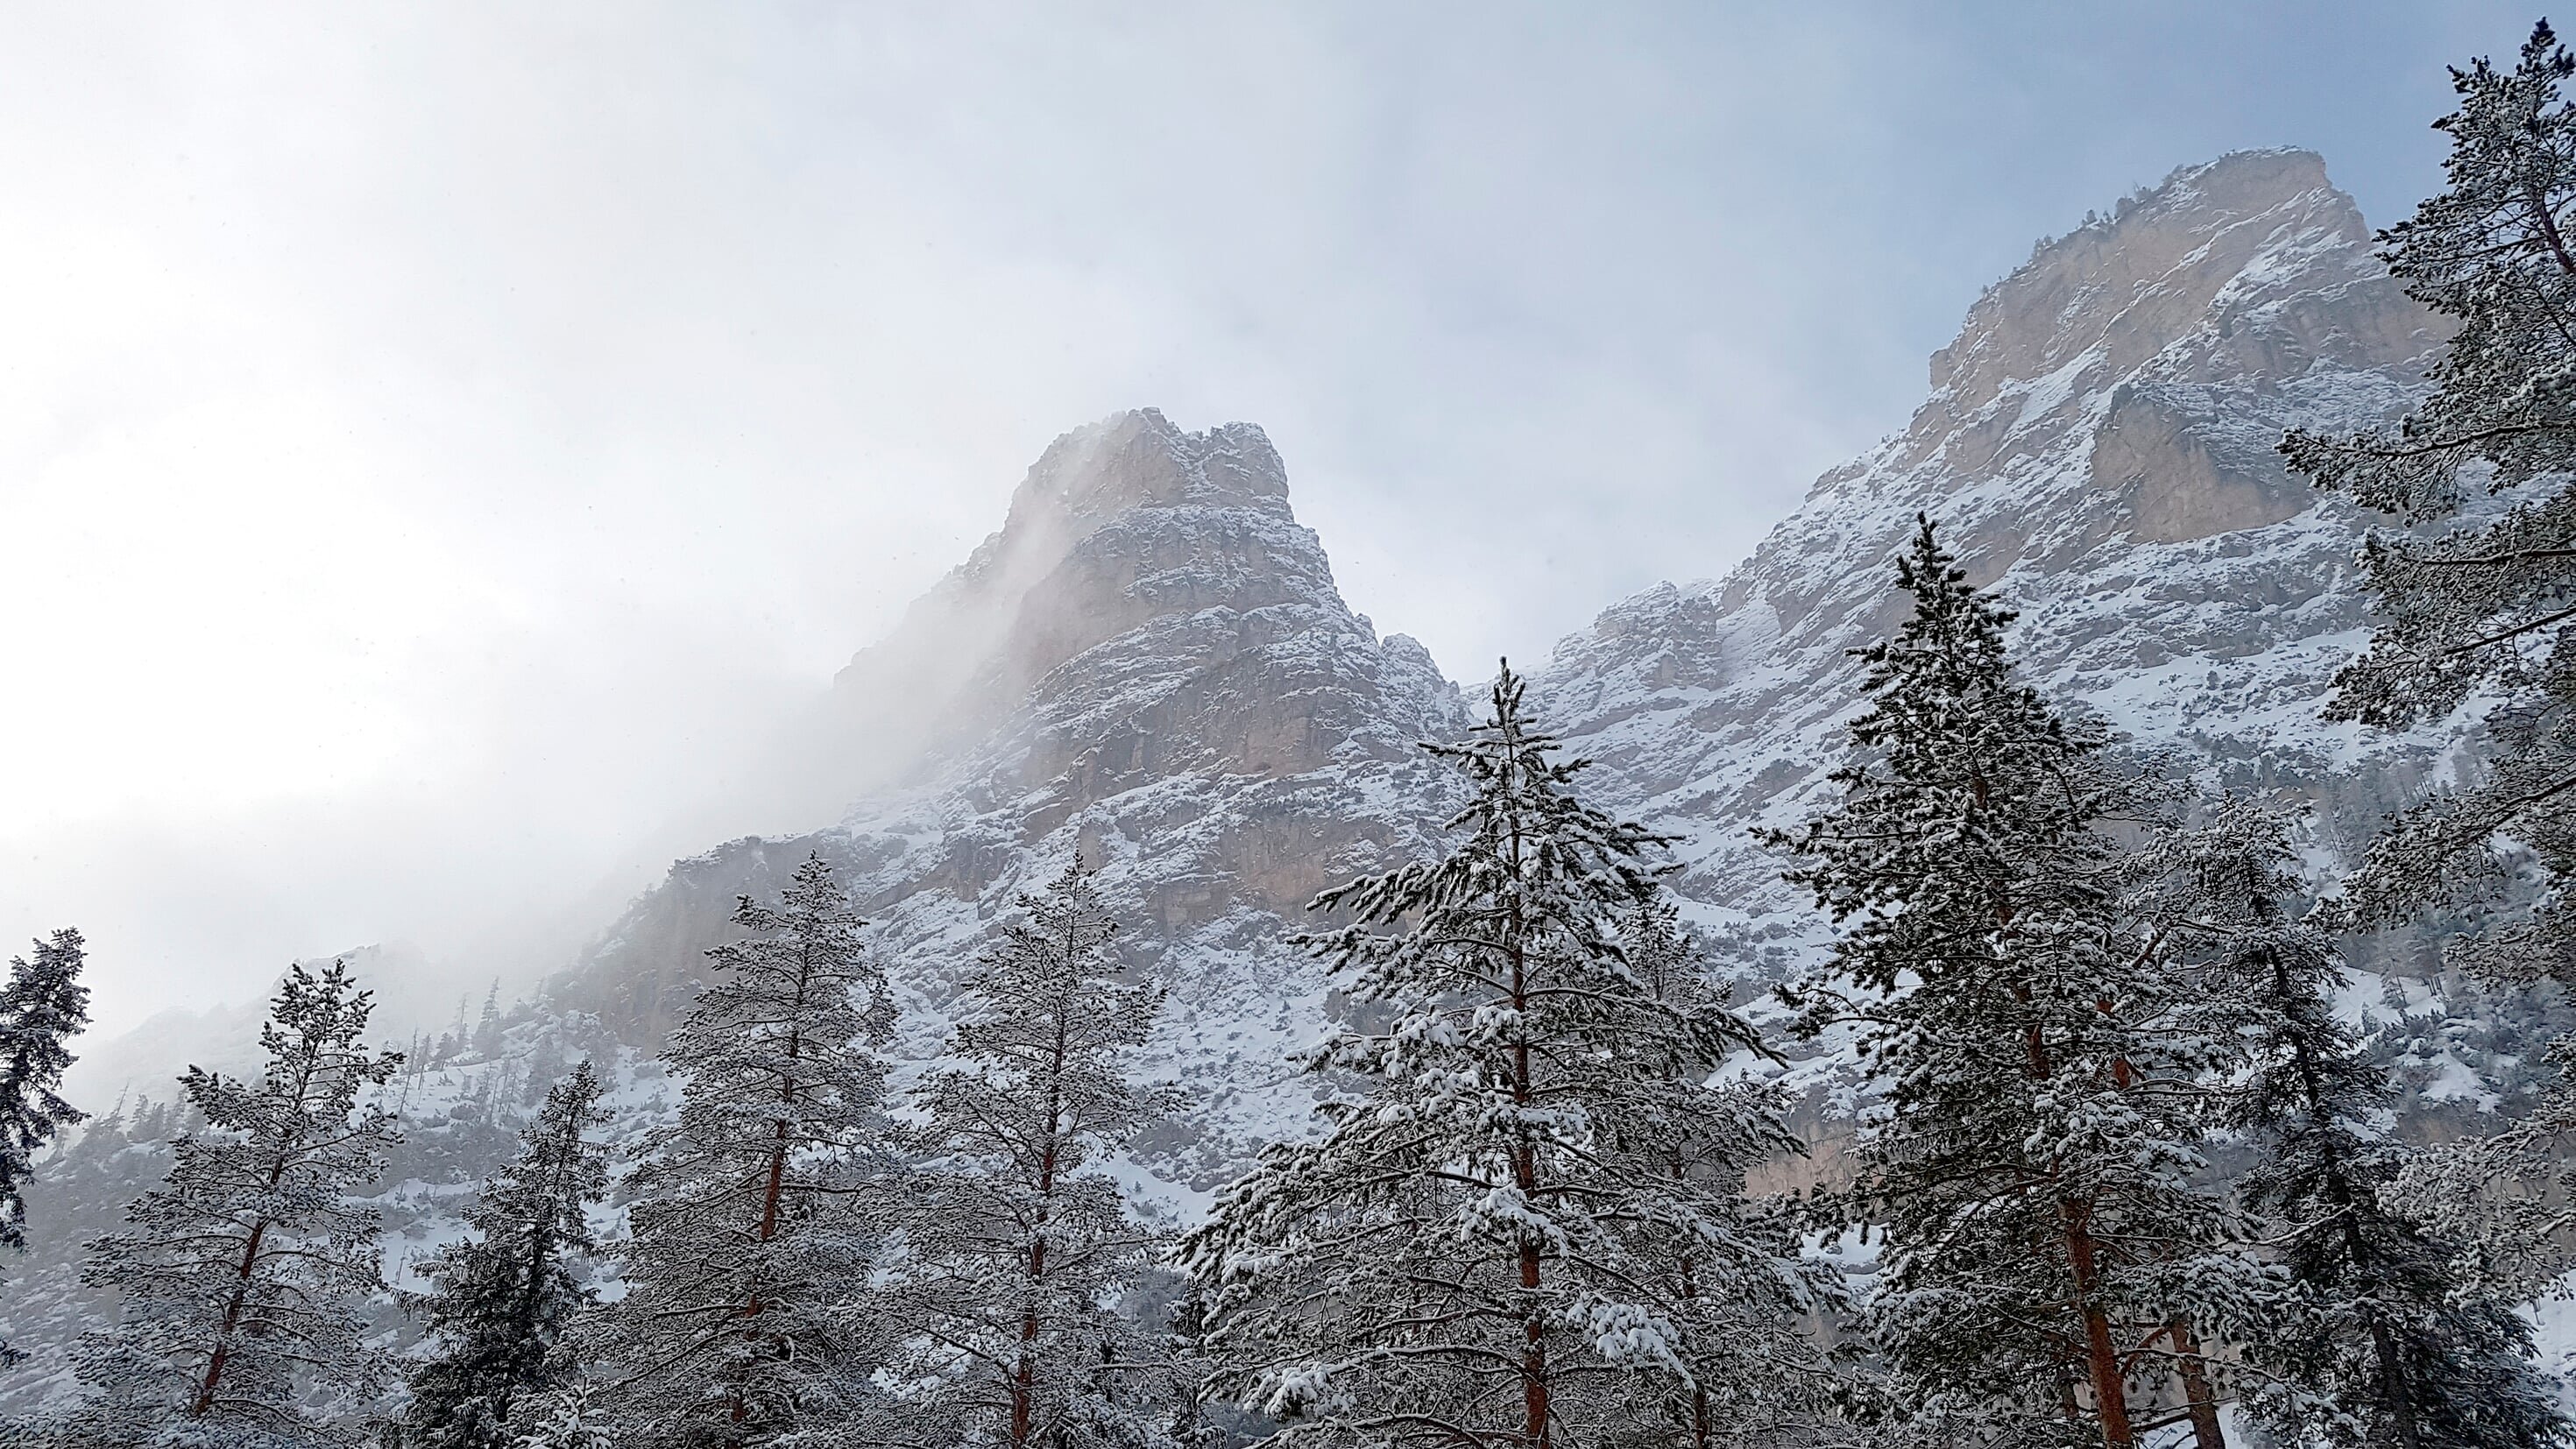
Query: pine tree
[
  {"x": 2031, "y": 1161},
  {"x": 504, "y": 1301},
  {"x": 243, "y": 1276},
  {"x": 2388, "y": 1345},
  {"x": 566, "y": 1419},
  {"x": 2475, "y": 590},
  {"x": 1490, "y": 1247},
  {"x": 487, "y": 1030},
  {"x": 1729, "y": 1267},
  {"x": 2475, "y": 593},
  {"x": 42, "y": 1008},
  {"x": 1019, "y": 1249},
  {"x": 745, "y": 1319}
]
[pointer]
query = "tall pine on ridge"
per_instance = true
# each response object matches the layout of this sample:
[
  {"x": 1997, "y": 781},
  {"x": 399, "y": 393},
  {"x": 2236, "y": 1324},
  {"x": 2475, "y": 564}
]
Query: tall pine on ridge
[
  {"x": 1017, "y": 1254},
  {"x": 42, "y": 1007},
  {"x": 745, "y": 1318},
  {"x": 1483, "y": 1248},
  {"x": 2031, "y": 1164},
  {"x": 504, "y": 1301},
  {"x": 244, "y": 1275}
]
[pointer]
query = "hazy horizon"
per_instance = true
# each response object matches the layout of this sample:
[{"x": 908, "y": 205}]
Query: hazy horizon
[{"x": 445, "y": 442}]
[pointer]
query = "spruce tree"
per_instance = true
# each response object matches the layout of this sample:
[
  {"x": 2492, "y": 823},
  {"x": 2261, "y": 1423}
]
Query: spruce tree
[
  {"x": 42, "y": 1008},
  {"x": 745, "y": 1318},
  {"x": 1489, "y": 1245},
  {"x": 243, "y": 1277},
  {"x": 1019, "y": 1248},
  {"x": 567, "y": 1418},
  {"x": 2476, "y": 586},
  {"x": 2475, "y": 591},
  {"x": 2030, "y": 1161},
  {"x": 1729, "y": 1266},
  {"x": 2386, "y": 1345},
  {"x": 503, "y": 1301},
  {"x": 487, "y": 1028}
]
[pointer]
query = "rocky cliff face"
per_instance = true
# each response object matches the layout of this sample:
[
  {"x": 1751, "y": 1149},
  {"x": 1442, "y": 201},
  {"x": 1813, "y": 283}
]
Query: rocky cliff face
[
  {"x": 1149, "y": 663},
  {"x": 2099, "y": 444}
]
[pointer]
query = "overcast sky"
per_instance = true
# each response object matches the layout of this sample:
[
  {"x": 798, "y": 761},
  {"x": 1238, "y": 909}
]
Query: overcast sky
[{"x": 435, "y": 442}]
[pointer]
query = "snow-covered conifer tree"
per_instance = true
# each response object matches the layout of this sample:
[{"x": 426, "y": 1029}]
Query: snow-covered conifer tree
[
  {"x": 2476, "y": 589},
  {"x": 504, "y": 1300},
  {"x": 2476, "y": 592},
  {"x": 243, "y": 1276},
  {"x": 487, "y": 1028},
  {"x": 1489, "y": 1246},
  {"x": 2382, "y": 1343},
  {"x": 565, "y": 1419},
  {"x": 1728, "y": 1266},
  {"x": 745, "y": 1318},
  {"x": 1018, "y": 1246},
  {"x": 42, "y": 1007},
  {"x": 2031, "y": 1161}
]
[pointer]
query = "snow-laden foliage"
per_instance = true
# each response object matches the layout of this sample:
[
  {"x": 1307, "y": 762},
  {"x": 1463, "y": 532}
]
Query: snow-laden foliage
[
  {"x": 2032, "y": 1163},
  {"x": 1490, "y": 1244},
  {"x": 566, "y": 1419},
  {"x": 1020, "y": 1251},
  {"x": 745, "y": 1318},
  {"x": 2474, "y": 597},
  {"x": 2476, "y": 592},
  {"x": 2380, "y": 1343},
  {"x": 243, "y": 1276},
  {"x": 503, "y": 1302},
  {"x": 1727, "y": 1267},
  {"x": 42, "y": 1007}
]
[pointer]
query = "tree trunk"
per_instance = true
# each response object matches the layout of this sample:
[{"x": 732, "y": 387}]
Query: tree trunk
[
  {"x": 1024, "y": 1374},
  {"x": 204, "y": 1403},
  {"x": 2394, "y": 1389},
  {"x": 2101, "y": 1357},
  {"x": 1702, "y": 1430},
  {"x": 2205, "y": 1430}
]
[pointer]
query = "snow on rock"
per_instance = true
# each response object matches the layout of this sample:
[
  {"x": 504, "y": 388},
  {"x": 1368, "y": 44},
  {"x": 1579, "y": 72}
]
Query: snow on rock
[
  {"x": 2098, "y": 444},
  {"x": 1163, "y": 676}
]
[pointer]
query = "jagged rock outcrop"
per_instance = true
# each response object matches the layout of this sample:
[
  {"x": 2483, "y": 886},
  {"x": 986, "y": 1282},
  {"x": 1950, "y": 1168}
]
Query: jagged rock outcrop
[
  {"x": 2100, "y": 441},
  {"x": 1149, "y": 663}
]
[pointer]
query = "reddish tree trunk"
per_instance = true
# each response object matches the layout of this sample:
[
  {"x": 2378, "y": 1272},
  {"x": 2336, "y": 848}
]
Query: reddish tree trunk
[
  {"x": 2102, "y": 1359},
  {"x": 204, "y": 1403},
  {"x": 1024, "y": 1375},
  {"x": 2197, "y": 1395}
]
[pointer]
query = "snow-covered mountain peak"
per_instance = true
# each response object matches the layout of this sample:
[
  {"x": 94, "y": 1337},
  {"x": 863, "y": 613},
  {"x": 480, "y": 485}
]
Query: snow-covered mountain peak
[
  {"x": 1149, "y": 662},
  {"x": 2100, "y": 440},
  {"x": 1139, "y": 459},
  {"x": 1128, "y": 524},
  {"x": 2119, "y": 289}
]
